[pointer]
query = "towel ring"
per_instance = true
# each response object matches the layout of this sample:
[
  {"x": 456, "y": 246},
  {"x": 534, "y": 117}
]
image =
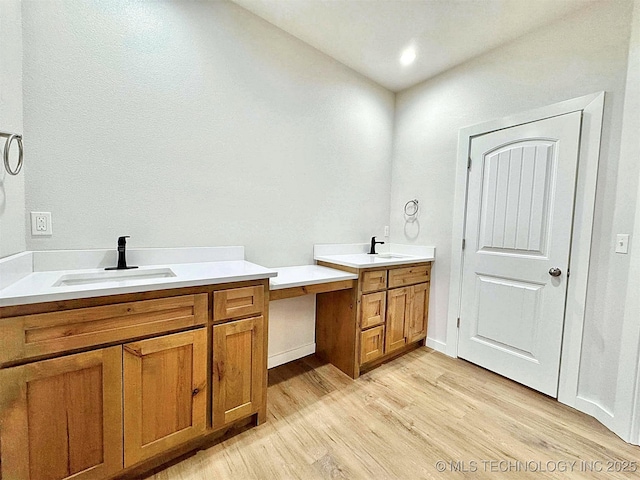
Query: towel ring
[
  {"x": 411, "y": 208},
  {"x": 7, "y": 147}
]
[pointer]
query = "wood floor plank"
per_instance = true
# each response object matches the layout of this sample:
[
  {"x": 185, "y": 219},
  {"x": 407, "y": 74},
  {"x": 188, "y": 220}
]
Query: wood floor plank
[{"x": 398, "y": 420}]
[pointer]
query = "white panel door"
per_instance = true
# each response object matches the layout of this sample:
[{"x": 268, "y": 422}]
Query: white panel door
[{"x": 519, "y": 218}]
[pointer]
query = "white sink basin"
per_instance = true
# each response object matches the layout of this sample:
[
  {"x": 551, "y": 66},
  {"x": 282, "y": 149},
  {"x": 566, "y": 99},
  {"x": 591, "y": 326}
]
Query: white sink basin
[
  {"x": 113, "y": 276},
  {"x": 391, "y": 255}
]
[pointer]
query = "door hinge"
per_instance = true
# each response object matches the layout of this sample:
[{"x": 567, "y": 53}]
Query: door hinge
[
  {"x": 568, "y": 273},
  {"x": 464, "y": 242},
  {"x": 469, "y": 163},
  {"x": 458, "y": 323}
]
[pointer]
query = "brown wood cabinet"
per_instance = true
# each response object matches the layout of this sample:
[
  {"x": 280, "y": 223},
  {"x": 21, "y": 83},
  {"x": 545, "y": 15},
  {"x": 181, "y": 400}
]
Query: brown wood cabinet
[
  {"x": 373, "y": 281},
  {"x": 416, "y": 324},
  {"x": 390, "y": 316},
  {"x": 397, "y": 315},
  {"x": 238, "y": 369},
  {"x": 402, "y": 276},
  {"x": 102, "y": 387},
  {"x": 371, "y": 344},
  {"x": 237, "y": 302},
  {"x": 32, "y": 336},
  {"x": 62, "y": 418},
  {"x": 406, "y": 316},
  {"x": 165, "y": 393},
  {"x": 373, "y": 311}
]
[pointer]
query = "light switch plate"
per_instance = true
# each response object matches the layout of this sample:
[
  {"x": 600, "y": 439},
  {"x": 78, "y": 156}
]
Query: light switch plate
[
  {"x": 41, "y": 223},
  {"x": 622, "y": 243},
  {"x": 386, "y": 231}
]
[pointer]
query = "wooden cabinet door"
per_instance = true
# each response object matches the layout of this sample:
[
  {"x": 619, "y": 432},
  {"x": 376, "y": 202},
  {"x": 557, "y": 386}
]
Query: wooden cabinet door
[
  {"x": 165, "y": 393},
  {"x": 372, "y": 309},
  {"x": 371, "y": 344},
  {"x": 62, "y": 418},
  {"x": 416, "y": 325},
  {"x": 398, "y": 310},
  {"x": 238, "y": 369}
]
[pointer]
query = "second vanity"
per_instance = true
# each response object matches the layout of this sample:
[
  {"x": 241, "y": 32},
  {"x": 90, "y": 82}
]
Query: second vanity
[
  {"x": 108, "y": 375},
  {"x": 384, "y": 316}
]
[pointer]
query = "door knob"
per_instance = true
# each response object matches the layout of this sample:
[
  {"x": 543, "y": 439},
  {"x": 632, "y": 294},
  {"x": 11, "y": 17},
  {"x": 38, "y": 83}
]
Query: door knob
[{"x": 555, "y": 272}]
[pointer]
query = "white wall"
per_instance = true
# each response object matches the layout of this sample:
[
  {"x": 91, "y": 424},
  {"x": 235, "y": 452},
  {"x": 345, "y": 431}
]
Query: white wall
[
  {"x": 578, "y": 55},
  {"x": 12, "y": 199},
  {"x": 196, "y": 124},
  {"x": 628, "y": 385},
  {"x": 292, "y": 329}
]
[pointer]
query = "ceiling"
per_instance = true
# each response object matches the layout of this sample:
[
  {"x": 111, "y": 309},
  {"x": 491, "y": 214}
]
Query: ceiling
[{"x": 370, "y": 35}]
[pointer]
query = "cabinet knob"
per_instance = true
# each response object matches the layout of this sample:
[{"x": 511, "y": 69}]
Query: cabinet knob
[{"x": 195, "y": 391}]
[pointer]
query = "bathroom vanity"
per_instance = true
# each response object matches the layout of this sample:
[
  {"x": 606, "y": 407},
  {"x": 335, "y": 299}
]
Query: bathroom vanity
[
  {"x": 384, "y": 316},
  {"x": 109, "y": 374},
  {"x": 114, "y": 384}
]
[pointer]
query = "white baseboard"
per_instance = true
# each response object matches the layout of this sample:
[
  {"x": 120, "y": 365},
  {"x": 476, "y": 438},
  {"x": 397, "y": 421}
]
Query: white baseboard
[
  {"x": 597, "y": 411},
  {"x": 437, "y": 345},
  {"x": 290, "y": 355}
]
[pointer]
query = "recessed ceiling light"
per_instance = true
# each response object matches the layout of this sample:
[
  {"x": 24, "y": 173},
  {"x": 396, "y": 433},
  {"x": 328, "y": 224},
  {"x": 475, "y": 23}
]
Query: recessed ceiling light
[{"x": 408, "y": 56}]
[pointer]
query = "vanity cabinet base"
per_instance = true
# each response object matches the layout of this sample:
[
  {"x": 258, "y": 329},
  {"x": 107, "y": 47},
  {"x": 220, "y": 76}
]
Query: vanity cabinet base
[
  {"x": 382, "y": 317},
  {"x": 114, "y": 387}
]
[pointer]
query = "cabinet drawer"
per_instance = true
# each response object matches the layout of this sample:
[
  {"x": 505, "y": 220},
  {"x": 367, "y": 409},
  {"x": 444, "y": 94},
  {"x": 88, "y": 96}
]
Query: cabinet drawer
[
  {"x": 49, "y": 333},
  {"x": 371, "y": 344},
  {"x": 238, "y": 302},
  {"x": 372, "y": 309},
  {"x": 373, "y": 281},
  {"x": 400, "y": 277}
]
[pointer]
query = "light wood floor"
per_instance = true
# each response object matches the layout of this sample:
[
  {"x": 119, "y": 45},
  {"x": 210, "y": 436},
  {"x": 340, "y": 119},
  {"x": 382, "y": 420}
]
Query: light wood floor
[{"x": 399, "y": 420}]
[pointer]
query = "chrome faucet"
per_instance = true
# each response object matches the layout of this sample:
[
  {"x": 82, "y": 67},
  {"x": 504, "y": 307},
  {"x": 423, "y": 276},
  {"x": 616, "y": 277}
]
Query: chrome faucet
[
  {"x": 372, "y": 251},
  {"x": 122, "y": 255}
]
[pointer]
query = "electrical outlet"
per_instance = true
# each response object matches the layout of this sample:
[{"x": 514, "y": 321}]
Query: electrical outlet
[
  {"x": 386, "y": 230},
  {"x": 622, "y": 243},
  {"x": 41, "y": 223}
]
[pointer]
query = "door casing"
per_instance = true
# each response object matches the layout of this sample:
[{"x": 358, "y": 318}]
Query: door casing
[{"x": 592, "y": 108}]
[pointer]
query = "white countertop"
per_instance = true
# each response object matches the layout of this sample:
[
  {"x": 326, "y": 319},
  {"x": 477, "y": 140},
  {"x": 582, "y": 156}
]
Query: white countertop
[
  {"x": 365, "y": 260},
  {"x": 303, "y": 275},
  {"x": 38, "y": 287},
  {"x": 29, "y": 277},
  {"x": 355, "y": 256}
]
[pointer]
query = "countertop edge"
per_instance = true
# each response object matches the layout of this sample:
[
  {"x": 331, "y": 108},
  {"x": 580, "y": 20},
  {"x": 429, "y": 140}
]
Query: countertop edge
[
  {"x": 392, "y": 262},
  {"x": 314, "y": 281},
  {"x": 305, "y": 275},
  {"x": 120, "y": 290}
]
